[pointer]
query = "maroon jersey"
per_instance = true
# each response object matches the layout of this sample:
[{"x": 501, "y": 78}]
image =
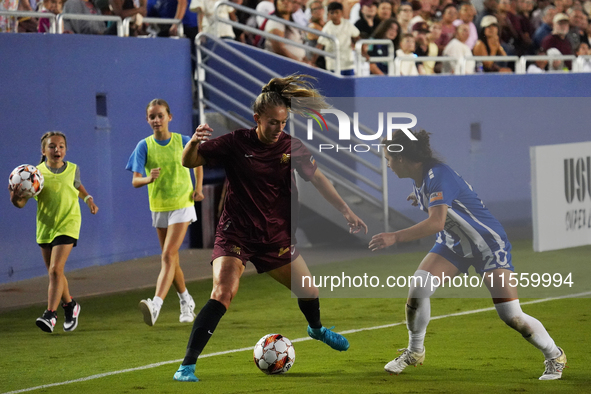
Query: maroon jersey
[{"x": 261, "y": 185}]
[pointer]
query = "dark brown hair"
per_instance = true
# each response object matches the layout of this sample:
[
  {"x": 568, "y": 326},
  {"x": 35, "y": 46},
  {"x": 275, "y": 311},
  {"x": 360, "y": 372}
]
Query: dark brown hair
[
  {"x": 418, "y": 151},
  {"x": 158, "y": 102},
  {"x": 44, "y": 139},
  {"x": 279, "y": 92}
]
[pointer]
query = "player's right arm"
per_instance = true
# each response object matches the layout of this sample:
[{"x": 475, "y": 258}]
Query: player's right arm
[
  {"x": 191, "y": 156},
  {"x": 16, "y": 198},
  {"x": 139, "y": 180}
]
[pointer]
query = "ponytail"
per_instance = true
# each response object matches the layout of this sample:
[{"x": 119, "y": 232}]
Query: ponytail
[{"x": 285, "y": 92}]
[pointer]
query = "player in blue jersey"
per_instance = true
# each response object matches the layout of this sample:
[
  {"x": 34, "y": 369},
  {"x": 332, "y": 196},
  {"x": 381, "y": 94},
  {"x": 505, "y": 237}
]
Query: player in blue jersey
[{"x": 467, "y": 235}]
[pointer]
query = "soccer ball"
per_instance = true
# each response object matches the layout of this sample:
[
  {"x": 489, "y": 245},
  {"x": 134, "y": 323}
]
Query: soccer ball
[
  {"x": 29, "y": 177},
  {"x": 274, "y": 354}
]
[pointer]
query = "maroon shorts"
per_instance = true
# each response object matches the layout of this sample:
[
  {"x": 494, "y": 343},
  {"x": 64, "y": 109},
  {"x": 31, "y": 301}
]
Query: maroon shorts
[{"x": 261, "y": 256}]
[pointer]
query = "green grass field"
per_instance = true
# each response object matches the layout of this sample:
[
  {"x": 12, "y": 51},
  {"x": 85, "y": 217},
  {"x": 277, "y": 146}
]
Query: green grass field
[{"x": 465, "y": 354}]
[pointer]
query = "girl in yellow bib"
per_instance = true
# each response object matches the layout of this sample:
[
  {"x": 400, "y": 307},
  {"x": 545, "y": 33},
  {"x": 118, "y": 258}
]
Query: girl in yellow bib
[
  {"x": 58, "y": 224},
  {"x": 171, "y": 197}
]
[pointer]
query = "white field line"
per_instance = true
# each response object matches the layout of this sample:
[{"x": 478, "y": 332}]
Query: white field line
[{"x": 102, "y": 375}]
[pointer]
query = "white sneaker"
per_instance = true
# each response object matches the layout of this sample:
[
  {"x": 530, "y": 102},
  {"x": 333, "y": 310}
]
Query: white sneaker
[
  {"x": 187, "y": 311},
  {"x": 404, "y": 360},
  {"x": 554, "y": 367},
  {"x": 149, "y": 311}
]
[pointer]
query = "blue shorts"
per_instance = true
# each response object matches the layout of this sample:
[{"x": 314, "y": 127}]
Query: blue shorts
[{"x": 500, "y": 259}]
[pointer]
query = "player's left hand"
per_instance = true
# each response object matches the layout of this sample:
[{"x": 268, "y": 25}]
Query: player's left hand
[
  {"x": 382, "y": 240},
  {"x": 198, "y": 196},
  {"x": 355, "y": 223}
]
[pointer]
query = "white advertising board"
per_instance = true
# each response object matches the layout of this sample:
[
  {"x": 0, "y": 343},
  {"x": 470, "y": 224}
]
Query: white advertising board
[{"x": 561, "y": 195}]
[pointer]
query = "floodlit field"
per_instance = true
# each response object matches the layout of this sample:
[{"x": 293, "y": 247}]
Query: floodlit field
[{"x": 113, "y": 351}]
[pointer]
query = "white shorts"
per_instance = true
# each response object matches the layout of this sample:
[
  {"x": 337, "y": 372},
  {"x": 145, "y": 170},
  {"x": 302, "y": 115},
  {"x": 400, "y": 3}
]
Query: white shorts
[{"x": 166, "y": 218}]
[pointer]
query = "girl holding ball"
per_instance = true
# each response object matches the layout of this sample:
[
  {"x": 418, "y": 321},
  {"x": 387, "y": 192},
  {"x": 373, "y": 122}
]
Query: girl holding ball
[{"x": 58, "y": 224}]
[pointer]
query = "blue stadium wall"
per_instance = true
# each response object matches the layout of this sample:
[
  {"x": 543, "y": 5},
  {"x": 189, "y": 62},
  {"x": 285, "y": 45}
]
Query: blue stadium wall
[{"x": 51, "y": 82}]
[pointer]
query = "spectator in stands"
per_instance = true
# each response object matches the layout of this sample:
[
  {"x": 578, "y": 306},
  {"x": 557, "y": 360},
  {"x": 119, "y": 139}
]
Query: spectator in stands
[
  {"x": 51, "y": 6},
  {"x": 205, "y": 18},
  {"x": 8, "y": 24},
  {"x": 558, "y": 38},
  {"x": 507, "y": 21},
  {"x": 368, "y": 20},
  {"x": 424, "y": 46},
  {"x": 490, "y": 7},
  {"x": 587, "y": 36},
  {"x": 525, "y": 31},
  {"x": 345, "y": 32},
  {"x": 578, "y": 26},
  {"x": 404, "y": 17},
  {"x": 457, "y": 48},
  {"x": 27, "y": 24},
  {"x": 316, "y": 22},
  {"x": 423, "y": 14},
  {"x": 539, "y": 66},
  {"x": 388, "y": 29},
  {"x": 489, "y": 44},
  {"x": 385, "y": 10},
  {"x": 583, "y": 50},
  {"x": 175, "y": 9},
  {"x": 299, "y": 16},
  {"x": 407, "y": 48},
  {"x": 555, "y": 65},
  {"x": 264, "y": 7},
  {"x": 559, "y": 4},
  {"x": 545, "y": 28},
  {"x": 84, "y": 7},
  {"x": 126, "y": 9},
  {"x": 284, "y": 9},
  {"x": 466, "y": 15},
  {"x": 448, "y": 30},
  {"x": 536, "y": 15}
]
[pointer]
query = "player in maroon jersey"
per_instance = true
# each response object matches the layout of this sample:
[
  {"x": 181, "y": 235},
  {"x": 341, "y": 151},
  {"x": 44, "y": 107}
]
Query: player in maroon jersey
[{"x": 256, "y": 223}]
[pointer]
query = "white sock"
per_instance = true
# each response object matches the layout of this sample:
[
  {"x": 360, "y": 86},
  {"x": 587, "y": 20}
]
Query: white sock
[
  {"x": 417, "y": 318},
  {"x": 531, "y": 328},
  {"x": 185, "y": 296},
  {"x": 157, "y": 302}
]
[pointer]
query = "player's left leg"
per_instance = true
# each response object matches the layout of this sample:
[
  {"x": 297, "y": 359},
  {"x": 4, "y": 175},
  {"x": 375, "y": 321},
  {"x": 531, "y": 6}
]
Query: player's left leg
[
  {"x": 508, "y": 308},
  {"x": 291, "y": 276}
]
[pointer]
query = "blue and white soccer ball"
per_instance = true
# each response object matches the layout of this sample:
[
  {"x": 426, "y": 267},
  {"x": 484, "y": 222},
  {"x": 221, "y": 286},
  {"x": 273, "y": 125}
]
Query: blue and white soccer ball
[{"x": 274, "y": 354}]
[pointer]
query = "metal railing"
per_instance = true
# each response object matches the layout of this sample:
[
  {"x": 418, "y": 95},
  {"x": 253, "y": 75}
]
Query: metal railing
[
  {"x": 229, "y": 80},
  {"x": 81, "y": 17},
  {"x": 269, "y": 36},
  {"x": 32, "y": 14},
  {"x": 464, "y": 60},
  {"x": 359, "y": 60},
  {"x": 524, "y": 59},
  {"x": 398, "y": 61},
  {"x": 156, "y": 21}
]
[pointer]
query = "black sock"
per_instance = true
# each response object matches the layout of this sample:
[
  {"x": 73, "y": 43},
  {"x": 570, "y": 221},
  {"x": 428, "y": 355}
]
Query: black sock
[
  {"x": 203, "y": 328},
  {"x": 311, "y": 309}
]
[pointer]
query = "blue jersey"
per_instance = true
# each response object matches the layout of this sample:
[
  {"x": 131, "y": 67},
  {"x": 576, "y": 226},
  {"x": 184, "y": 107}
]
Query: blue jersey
[
  {"x": 470, "y": 229},
  {"x": 139, "y": 156}
]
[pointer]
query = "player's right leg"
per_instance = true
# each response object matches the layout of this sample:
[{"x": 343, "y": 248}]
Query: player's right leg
[
  {"x": 227, "y": 271},
  {"x": 290, "y": 275},
  {"x": 418, "y": 309}
]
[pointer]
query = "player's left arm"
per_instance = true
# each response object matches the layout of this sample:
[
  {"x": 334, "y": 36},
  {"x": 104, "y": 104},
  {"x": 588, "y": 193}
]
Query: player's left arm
[
  {"x": 88, "y": 199},
  {"x": 432, "y": 225},
  {"x": 198, "y": 192},
  {"x": 327, "y": 190}
]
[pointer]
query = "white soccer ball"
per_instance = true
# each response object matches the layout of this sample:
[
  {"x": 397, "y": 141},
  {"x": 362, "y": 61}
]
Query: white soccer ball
[
  {"x": 274, "y": 354},
  {"x": 29, "y": 178}
]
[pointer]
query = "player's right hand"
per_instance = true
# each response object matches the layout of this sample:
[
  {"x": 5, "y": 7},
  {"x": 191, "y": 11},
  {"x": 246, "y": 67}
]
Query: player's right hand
[
  {"x": 154, "y": 174},
  {"x": 202, "y": 133},
  {"x": 411, "y": 197}
]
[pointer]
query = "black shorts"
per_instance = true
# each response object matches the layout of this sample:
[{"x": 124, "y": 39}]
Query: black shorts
[{"x": 60, "y": 240}]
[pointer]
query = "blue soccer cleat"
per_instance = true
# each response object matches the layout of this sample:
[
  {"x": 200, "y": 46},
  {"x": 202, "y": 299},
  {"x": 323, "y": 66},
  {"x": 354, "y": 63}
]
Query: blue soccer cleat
[
  {"x": 332, "y": 339},
  {"x": 186, "y": 373}
]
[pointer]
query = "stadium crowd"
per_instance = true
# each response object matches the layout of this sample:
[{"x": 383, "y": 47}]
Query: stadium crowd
[{"x": 418, "y": 28}]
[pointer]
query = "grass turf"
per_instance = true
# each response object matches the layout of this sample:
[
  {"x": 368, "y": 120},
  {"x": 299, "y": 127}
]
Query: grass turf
[{"x": 466, "y": 354}]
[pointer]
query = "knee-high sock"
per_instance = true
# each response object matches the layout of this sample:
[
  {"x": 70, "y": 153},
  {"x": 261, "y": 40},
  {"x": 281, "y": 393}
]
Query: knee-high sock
[
  {"x": 531, "y": 328},
  {"x": 203, "y": 328},
  {"x": 418, "y": 314},
  {"x": 311, "y": 310}
]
